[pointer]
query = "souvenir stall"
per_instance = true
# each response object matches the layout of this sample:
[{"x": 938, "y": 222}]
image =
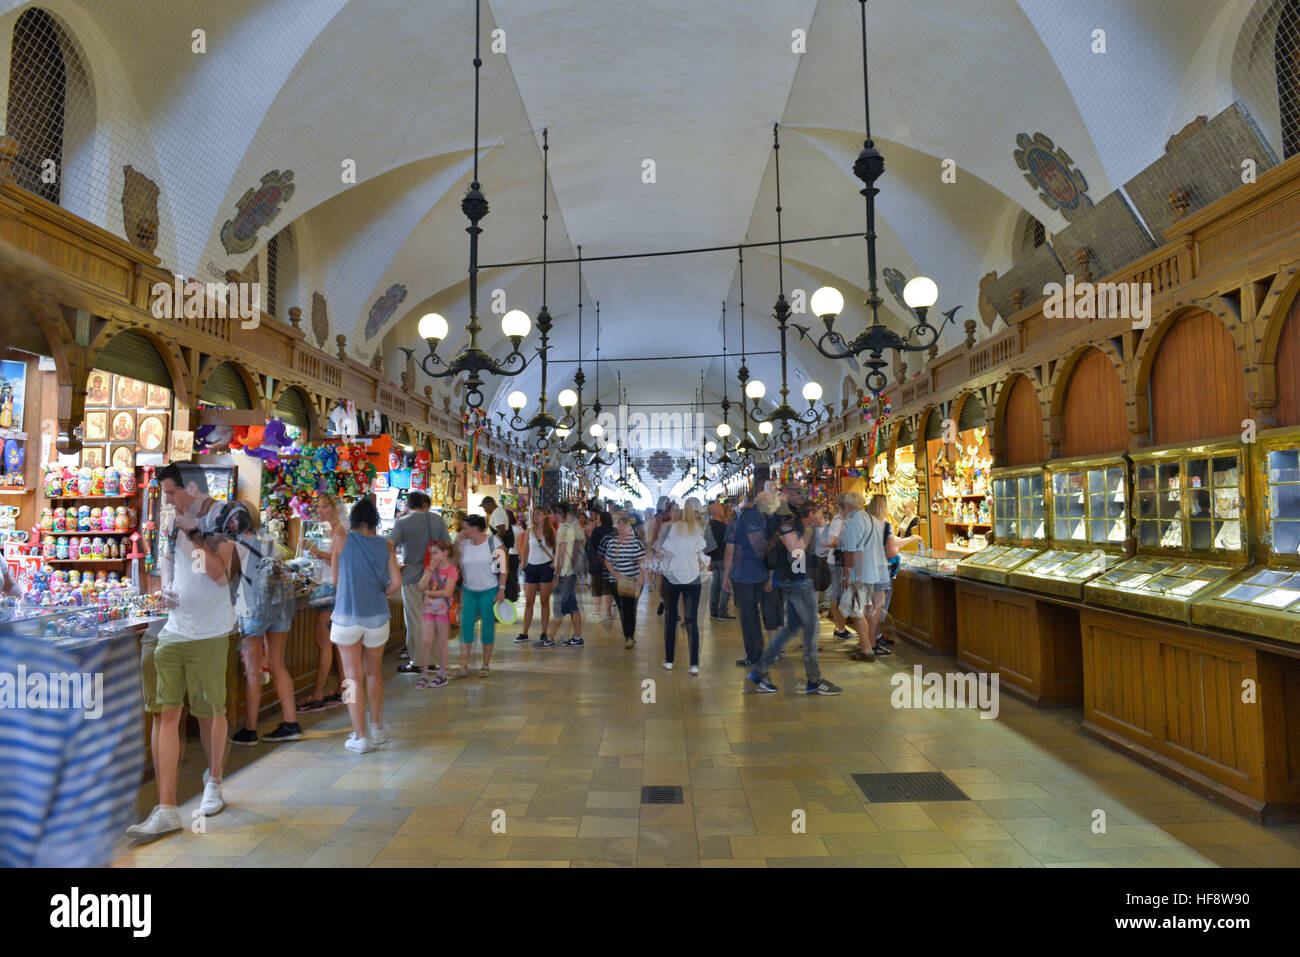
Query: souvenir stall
[
  {"x": 1019, "y": 525},
  {"x": 960, "y": 507}
]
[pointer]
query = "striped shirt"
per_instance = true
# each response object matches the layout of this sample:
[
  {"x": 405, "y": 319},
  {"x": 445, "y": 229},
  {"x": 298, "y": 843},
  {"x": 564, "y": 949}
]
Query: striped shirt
[{"x": 624, "y": 554}]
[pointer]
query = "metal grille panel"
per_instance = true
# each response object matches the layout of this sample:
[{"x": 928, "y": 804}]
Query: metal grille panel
[{"x": 906, "y": 786}]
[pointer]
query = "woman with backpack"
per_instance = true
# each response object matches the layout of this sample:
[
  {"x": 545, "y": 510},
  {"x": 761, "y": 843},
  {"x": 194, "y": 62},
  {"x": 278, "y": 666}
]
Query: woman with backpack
[
  {"x": 439, "y": 587},
  {"x": 683, "y": 549},
  {"x": 537, "y": 555},
  {"x": 327, "y": 513},
  {"x": 482, "y": 562},
  {"x": 365, "y": 567},
  {"x": 265, "y": 604}
]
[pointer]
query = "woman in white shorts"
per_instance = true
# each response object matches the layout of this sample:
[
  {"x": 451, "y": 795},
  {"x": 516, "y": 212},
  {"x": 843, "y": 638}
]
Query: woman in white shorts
[{"x": 365, "y": 567}]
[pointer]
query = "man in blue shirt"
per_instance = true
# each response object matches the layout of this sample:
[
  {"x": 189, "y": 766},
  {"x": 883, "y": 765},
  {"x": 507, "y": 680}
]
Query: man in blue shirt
[{"x": 744, "y": 575}]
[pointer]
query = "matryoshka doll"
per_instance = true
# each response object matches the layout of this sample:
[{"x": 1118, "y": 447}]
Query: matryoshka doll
[
  {"x": 61, "y": 548},
  {"x": 47, "y": 519},
  {"x": 97, "y": 481},
  {"x": 112, "y": 481},
  {"x": 83, "y": 520},
  {"x": 85, "y": 480},
  {"x": 60, "y": 519},
  {"x": 74, "y": 578},
  {"x": 53, "y": 481},
  {"x": 126, "y": 482},
  {"x": 50, "y": 548},
  {"x": 97, "y": 547},
  {"x": 71, "y": 484},
  {"x": 107, "y": 518},
  {"x": 122, "y": 521},
  {"x": 96, "y": 519},
  {"x": 87, "y": 548}
]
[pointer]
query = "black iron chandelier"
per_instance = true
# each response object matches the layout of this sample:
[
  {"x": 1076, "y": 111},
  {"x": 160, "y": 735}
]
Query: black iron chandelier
[
  {"x": 747, "y": 445},
  {"x": 542, "y": 423},
  {"x": 584, "y": 455},
  {"x": 515, "y": 324},
  {"x": 812, "y": 391},
  {"x": 919, "y": 294}
]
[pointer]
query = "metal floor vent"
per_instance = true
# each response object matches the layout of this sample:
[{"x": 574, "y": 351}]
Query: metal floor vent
[
  {"x": 661, "y": 795},
  {"x": 896, "y": 787}
]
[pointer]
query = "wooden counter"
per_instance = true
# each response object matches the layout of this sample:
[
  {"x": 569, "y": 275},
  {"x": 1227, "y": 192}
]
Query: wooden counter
[
  {"x": 924, "y": 611},
  {"x": 1220, "y": 714},
  {"x": 1032, "y": 642}
]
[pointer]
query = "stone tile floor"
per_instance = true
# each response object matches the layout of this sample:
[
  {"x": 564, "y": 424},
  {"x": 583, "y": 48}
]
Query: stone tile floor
[{"x": 556, "y": 745}]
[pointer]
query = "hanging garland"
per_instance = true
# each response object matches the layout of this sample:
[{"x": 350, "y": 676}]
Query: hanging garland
[{"x": 473, "y": 423}]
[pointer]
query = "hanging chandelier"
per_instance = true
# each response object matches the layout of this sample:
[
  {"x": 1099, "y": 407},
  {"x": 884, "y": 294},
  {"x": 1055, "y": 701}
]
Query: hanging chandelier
[
  {"x": 584, "y": 455},
  {"x": 515, "y": 324},
  {"x": 711, "y": 453},
  {"x": 919, "y": 294},
  {"x": 748, "y": 445},
  {"x": 812, "y": 391},
  {"x": 542, "y": 423}
]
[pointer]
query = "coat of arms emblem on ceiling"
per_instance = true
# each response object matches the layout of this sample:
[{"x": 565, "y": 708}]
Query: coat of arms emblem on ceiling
[
  {"x": 256, "y": 209},
  {"x": 660, "y": 465},
  {"x": 1050, "y": 171},
  {"x": 384, "y": 308}
]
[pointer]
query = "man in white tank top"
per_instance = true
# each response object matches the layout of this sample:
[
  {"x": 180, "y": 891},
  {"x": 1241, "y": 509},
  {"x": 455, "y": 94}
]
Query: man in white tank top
[{"x": 192, "y": 651}]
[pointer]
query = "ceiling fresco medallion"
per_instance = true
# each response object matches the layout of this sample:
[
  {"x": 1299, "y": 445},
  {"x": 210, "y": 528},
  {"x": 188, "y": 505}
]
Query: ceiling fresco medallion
[
  {"x": 660, "y": 465},
  {"x": 1050, "y": 171},
  {"x": 256, "y": 209},
  {"x": 384, "y": 308}
]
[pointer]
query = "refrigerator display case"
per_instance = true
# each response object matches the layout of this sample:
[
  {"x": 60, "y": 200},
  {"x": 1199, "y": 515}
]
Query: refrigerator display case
[
  {"x": 1088, "y": 516},
  {"x": 1190, "y": 523},
  {"x": 1019, "y": 523},
  {"x": 1265, "y": 600}
]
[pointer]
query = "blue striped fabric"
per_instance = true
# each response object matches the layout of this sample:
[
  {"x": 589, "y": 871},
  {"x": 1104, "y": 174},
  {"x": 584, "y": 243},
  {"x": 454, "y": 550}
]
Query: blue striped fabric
[{"x": 68, "y": 783}]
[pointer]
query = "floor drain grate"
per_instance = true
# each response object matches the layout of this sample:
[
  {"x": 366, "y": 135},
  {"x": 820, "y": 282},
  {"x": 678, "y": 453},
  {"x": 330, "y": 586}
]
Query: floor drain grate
[
  {"x": 896, "y": 787},
  {"x": 661, "y": 795}
]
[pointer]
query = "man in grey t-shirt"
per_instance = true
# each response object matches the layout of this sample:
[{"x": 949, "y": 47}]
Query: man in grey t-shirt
[{"x": 412, "y": 533}]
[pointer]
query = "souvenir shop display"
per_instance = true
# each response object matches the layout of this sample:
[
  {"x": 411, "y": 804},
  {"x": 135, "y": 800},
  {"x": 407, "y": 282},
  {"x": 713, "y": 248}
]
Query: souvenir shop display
[
  {"x": 1088, "y": 507},
  {"x": 1264, "y": 600},
  {"x": 1190, "y": 523},
  {"x": 960, "y": 512}
]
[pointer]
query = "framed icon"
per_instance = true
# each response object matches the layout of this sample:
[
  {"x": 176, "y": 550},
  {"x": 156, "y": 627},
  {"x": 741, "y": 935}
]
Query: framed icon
[
  {"x": 96, "y": 427},
  {"x": 99, "y": 388},
  {"x": 182, "y": 446},
  {"x": 122, "y": 457},
  {"x": 152, "y": 436},
  {"x": 122, "y": 426},
  {"x": 92, "y": 456},
  {"x": 127, "y": 393},
  {"x": 157, "y": 397}
]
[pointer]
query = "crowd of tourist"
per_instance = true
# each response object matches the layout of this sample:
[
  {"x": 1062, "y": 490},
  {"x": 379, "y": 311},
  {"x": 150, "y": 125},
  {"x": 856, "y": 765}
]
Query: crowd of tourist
[{"x": 782, "y": 562}]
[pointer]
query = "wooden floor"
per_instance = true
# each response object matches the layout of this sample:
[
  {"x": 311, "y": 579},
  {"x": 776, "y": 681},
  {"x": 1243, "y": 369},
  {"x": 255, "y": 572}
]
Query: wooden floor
[{"x": 560, "y": 742}]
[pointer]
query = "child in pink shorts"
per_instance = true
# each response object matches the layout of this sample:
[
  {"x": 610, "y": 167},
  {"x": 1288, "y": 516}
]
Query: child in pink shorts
[{"x": 438, "y": 585}]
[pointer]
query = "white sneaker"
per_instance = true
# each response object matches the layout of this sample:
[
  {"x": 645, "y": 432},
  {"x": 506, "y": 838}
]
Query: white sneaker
[
  {"x": 160, "y": 822},
  {"x": 695, "y": 669},
  {"x": 668, "y": 666},
  {"x": 356, "y": 745},
  {"x": 212, "y": 802},
  {"x": 379, "y": 735}
]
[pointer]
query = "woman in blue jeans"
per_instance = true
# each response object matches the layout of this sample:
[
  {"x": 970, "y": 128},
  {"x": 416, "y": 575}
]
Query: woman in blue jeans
[{"x": 683, "y": 549}]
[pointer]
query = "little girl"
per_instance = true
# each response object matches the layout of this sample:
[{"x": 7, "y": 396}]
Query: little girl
[{"x": 438, "y": 585}]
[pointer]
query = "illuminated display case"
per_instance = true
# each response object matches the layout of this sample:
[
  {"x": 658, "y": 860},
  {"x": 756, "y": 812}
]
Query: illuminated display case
[
  {"x": 993, "y": 563},
  {"x": 1265, "y": 600},
  {"x": 1087, "y": 508},
  {"x": 1190, "y": 523}
]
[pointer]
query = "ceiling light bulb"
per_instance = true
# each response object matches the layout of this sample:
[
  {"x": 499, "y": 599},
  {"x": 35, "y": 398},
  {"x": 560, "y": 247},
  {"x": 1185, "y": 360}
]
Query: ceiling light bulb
[
  {"x": 432, "y": 326},
  {"x": 765, "y": 428},
  {"x": 920, "y": 293},
  {"x": 724, "y": 430},
  {"x": 756, "y": 389},
  {"x": 611, "y": 448},
  {"x": 710, "y": 447},
  {"x": 826, "y": 301},
  {"x": 517, "y": 400},
  {"x": 596, "y": 430},
  {"x": 561, "y": 431},
  {"x": 568, "y": 398},
  {"x": 515, "y": 324},
  {"x": 812, "y": 391}
]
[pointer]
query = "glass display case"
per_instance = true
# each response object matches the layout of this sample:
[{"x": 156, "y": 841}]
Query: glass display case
[
  {"x": 1190, "y": 524},
  {"x": 942, "y": 567},
  {"x": 992, "y": 564},
  {"x": 1087, "y": 510},
  {"x": 1265, "y": 600},
  {"x": 1019, "y": 506}
]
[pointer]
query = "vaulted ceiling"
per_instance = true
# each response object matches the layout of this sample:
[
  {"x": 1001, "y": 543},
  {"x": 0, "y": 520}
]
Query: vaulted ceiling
[{"x": 386, "y": 86}]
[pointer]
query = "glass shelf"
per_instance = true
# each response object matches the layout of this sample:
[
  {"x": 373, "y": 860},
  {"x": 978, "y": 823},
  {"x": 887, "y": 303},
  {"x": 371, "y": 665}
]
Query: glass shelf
[
  {"x": 1019, "y": 505},
  {"x": 1062, "y": 571},
  {"x": 1089, "y": 502},
  {"x": 1189, "y": 501}
]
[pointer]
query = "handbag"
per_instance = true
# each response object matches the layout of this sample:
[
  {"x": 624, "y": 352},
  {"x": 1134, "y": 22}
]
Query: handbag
[
  {"x": 628, "y": 587},
  {"x": 821, "y": 573}
]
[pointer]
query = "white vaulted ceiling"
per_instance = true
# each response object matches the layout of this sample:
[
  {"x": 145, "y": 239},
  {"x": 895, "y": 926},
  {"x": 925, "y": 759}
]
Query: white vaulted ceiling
[{"x": 306, "y": 85}]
